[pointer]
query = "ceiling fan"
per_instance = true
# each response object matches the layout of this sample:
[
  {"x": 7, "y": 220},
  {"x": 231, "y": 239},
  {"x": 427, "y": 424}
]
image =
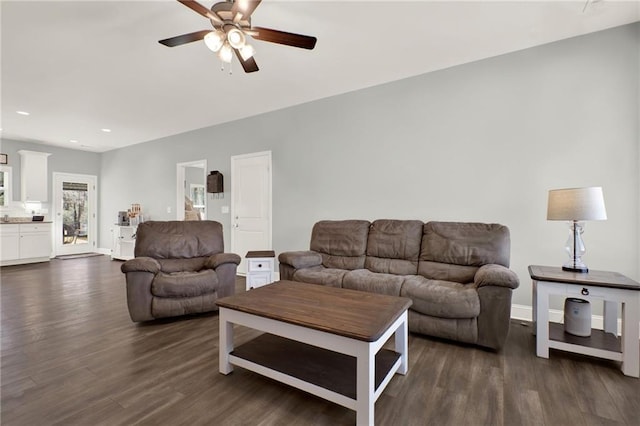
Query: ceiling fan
[{"x": 231, "y": 21}]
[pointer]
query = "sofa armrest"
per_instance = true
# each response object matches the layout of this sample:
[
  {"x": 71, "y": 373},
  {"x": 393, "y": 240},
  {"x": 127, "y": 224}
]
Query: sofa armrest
[
  {"x": 496, "y": 275},
  {"x": 301, "y": 259},
  {"x": 141, "y": 264},
  {"x": 220, "y": 259}
]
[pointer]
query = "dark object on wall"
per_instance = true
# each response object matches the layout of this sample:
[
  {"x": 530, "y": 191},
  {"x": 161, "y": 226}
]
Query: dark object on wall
[
  {"x": 215, "y": 183},
  {"x": 4, "y": 159}
]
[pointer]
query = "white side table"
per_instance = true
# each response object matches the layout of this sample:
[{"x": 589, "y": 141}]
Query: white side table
[
  {"x": 610, "y": 287},
  {"x": 124, "y": 241},
  {"x": 260, "y": 265}
]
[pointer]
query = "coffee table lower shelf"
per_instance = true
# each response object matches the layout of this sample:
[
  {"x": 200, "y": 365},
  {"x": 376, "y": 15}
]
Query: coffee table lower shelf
[{"x": 309, "y": 364}]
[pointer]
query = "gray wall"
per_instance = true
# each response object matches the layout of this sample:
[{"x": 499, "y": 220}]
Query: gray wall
[
  {"x": 479, "y": 142},
  {"x": 61, "y": 160}
]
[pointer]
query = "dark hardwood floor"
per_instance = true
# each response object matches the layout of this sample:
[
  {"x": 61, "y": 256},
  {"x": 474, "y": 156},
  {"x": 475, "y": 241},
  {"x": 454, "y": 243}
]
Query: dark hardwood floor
[{"x": 70, "y": 355}]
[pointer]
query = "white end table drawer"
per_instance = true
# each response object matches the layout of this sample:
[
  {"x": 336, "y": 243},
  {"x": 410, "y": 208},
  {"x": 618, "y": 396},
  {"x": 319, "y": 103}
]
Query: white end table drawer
[{"x": 260, "y": 265}]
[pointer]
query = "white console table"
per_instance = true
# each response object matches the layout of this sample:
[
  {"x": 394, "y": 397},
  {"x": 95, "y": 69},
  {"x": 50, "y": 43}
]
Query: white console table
[{"x": 610, "y": 287}]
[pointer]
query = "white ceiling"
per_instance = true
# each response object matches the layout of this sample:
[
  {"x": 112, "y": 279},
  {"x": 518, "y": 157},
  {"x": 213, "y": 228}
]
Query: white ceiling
[{"x": 80, "y": 66}]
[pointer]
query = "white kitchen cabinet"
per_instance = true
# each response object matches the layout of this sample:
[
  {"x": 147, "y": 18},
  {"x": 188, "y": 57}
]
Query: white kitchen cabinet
[
  {"x": 34, "y": 183},
  {"x": 9, "y": 242},
  {"x": 124, "y": 242},
  {"x": 35, "y": 240},
  {"x": 25, "y": 243}
]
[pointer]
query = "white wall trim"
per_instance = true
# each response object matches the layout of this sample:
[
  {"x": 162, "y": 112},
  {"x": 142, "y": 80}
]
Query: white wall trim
[{"x": 525, "y": 313}]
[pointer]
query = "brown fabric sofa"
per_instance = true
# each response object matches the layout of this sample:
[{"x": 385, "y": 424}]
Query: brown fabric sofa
[
  {"x": 455, "y": 273},
  {"x": 179, "y": 268}
]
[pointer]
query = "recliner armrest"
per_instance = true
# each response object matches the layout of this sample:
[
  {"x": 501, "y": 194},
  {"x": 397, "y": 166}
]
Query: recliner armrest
[
  {"x": 301, "y": 259},
  {"x": 141, "y": 264},
  {"x": 221, "y": 258},
  {"x": 496, "y": 275}
]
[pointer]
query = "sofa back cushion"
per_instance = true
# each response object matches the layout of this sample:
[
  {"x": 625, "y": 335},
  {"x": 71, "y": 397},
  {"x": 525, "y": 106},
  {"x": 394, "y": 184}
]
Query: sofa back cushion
[
  {"x": 342, "y": 243},
  {"x": 179, "y": 240},
  {"x": 453, "y": 251},
  {"x": 393, "y": 246}
]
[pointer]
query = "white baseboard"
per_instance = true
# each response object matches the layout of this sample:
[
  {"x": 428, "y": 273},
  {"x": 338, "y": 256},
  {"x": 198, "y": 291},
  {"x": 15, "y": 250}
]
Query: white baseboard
[
  {"x": 525, "y": 313},
  {"x": 104, "y": 251}
]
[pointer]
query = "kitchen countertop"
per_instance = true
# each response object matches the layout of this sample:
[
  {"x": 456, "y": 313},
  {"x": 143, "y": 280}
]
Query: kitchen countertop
[{"x": 19, "y": 220}]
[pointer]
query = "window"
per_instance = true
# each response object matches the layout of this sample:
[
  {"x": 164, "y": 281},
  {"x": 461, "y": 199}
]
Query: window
[{"x": 5, "y": 186}]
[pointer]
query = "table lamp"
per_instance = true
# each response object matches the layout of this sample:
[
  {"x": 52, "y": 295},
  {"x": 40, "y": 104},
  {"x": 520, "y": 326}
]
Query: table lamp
[{"x": 575, "y": 205}]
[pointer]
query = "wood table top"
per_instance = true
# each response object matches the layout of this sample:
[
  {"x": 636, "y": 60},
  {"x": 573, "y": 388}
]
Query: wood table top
[
  {"x": 593, "y": 278},
  {"x": 350, "y": 313}
]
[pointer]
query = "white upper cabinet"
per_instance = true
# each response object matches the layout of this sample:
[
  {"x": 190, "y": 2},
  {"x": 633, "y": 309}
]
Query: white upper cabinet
[{"x": 33, "y": 175}]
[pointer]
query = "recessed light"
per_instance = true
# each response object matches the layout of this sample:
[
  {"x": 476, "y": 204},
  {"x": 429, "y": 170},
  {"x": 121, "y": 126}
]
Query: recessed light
[
  {"x": 22, "y": 112},
  {"x": 73, "y": 141},
  {"x": 106, "y": 130}
]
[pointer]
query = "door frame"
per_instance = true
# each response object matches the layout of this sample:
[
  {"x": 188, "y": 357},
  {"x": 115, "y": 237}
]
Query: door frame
[
  {"x": 234, "y": 159},
  {"x": 56, "y": 210},
  {"x": 181, "y": 182}
]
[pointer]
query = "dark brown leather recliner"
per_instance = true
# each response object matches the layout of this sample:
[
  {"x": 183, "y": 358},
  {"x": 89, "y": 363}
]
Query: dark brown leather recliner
[{"x": 179, "y": 268}]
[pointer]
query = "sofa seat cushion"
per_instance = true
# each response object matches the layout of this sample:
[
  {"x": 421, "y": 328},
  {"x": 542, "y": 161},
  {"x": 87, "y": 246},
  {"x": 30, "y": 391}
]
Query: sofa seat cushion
[
  {"x": 179, "y": 265},
  {"x": 184, "y": 284},
  {"x": 365, "y": 280},
  {"x": 320, "y": 275},
  {"x": 458, "y": 329},
  {"x": 163, "y": 307},
  {"x": 444, "y": 299}
]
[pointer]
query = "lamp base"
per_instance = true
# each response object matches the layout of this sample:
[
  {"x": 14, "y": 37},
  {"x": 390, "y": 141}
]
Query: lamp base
[{"x": 577, "y": 268}]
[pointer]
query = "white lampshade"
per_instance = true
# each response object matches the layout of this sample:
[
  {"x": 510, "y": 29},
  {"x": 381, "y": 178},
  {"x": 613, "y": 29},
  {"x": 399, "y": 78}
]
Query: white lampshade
[
  {"x": 214, "y": 40},
  {"x": 576, "y": 204},
  {"x": 236, "y": 38},
  {"x": 225, "y": 54},
  {"x": 247, "y": 51}
]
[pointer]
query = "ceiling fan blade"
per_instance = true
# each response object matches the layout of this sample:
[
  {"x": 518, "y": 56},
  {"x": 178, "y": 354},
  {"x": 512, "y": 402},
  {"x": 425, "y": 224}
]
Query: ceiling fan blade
[
  {"x": 249, "y": 65},
  {"x": 184, "y": 38},
  {"x": 244, "y": 7},
  {"x": 282, "y": 37},
  {"x": 198, "y": 8}
]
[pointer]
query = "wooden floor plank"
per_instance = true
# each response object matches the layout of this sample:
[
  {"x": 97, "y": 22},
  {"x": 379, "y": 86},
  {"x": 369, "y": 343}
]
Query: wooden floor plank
[{"x": 70, "y": 355}]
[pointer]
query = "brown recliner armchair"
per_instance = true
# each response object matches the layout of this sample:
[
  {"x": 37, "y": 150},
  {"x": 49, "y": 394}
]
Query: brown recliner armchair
[{"x": 179, "y": 268}]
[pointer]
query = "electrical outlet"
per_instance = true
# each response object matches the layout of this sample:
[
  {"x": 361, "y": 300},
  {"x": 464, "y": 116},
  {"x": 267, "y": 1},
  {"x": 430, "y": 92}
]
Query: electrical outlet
[
  {"x": 225, "y": 209},
  {"x": 168, "y": 209}
]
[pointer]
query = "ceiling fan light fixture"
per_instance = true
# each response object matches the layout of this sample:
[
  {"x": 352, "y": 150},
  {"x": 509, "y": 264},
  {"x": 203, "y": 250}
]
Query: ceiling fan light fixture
[
  {"x": 247, "y": 52},
  {"x": 214, "y": 40},
  {"x": 225, "y": 54},
  {"x": 236, "y": 38}
]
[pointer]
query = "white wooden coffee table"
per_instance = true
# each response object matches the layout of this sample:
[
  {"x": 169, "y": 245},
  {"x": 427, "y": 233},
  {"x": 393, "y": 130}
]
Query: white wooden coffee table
[{"x": 323, "y": 340}]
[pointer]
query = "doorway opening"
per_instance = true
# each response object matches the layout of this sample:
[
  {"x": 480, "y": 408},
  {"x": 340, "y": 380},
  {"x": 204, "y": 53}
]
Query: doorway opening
[
  {"x": 191, "y": 199},
  {"x": 75, "y": 204}
]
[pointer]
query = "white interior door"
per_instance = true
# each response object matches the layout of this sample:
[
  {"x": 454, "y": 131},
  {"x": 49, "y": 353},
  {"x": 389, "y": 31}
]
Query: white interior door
[
  {"x": 74, "y": 209},
  {"x": 250, "y": 204}
]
